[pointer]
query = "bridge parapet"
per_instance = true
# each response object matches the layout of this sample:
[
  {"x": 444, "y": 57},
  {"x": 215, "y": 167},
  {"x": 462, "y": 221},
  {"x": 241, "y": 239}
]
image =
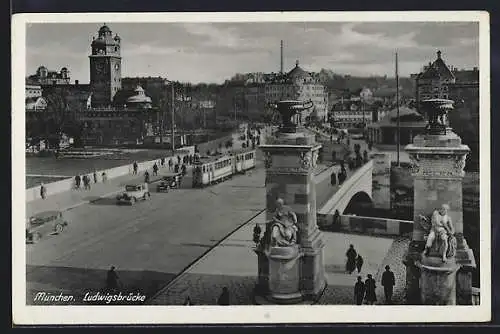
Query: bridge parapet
[
  {"x": 366, "y": 225},
  {"x": 360, "y": 180}
]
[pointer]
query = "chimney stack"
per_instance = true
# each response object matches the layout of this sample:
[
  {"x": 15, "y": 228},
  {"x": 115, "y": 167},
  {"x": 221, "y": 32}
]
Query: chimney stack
[{"x": 281, "y": 57}]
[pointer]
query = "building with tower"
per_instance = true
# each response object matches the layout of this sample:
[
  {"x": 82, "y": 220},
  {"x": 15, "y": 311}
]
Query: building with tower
[
  {"x": 433, "y": 82},
  {"x": 105, "y": 67}
]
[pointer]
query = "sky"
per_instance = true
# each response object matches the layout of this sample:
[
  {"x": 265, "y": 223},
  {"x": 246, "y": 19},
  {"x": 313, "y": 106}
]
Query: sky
[{"x": 213, "y": 52}]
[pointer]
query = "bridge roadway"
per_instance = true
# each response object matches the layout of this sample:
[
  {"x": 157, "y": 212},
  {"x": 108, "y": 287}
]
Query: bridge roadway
[{"x": 148, "y": 243}]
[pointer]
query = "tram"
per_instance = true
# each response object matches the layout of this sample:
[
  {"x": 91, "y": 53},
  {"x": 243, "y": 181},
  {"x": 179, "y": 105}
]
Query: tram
[{"x": 215, "y": 169}]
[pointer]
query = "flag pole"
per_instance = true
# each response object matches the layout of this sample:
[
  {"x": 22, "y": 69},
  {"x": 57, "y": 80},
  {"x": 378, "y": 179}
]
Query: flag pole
[{"x": 397, "y": 109}]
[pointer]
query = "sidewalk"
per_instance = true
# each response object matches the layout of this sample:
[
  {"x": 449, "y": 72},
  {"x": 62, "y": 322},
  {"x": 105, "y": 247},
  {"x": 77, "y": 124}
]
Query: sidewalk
[{"x": 70, "y": 199}]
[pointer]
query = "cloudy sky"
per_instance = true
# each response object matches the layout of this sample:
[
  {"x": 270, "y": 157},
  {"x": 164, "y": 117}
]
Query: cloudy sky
[{"x": 213, "y": 52}]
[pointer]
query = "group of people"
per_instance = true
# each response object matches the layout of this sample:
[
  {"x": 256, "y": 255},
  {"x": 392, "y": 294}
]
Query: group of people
[
  {"x": 86, "y": 180},
  {"x": 341, "y": 176},
  {"x": 366, "y": 291},
  {"x": 175, "y": 164}
]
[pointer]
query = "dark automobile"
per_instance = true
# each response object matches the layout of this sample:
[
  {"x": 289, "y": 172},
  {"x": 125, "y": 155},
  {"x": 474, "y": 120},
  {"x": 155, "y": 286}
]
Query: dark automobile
[
  {"x": 170, "y": 181},
  {"x": 44, "y": 223}
]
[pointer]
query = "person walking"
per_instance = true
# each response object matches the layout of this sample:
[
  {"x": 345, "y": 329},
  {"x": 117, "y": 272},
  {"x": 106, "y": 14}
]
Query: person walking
[
  {"x": 155, "y": 169},
  {"x": 333, "y": 179},
  {"x": 104, "y": 177},
  {"x": 178, "y": 160},
  {"x": 359, "y": 263},
  {"x": 351, "y": 255},
  {"x": 176, "y": 168},
  {"x": 256, "y": 234},
  {"x": 224, "y": 297},
  {"x": 183, "y": 170},
  {"x": 370, "y": 286},
  {"x": 162, "y": 162},
  {"x": 146, "y": 177},
  {"x": 359, "y": 291},
  {"x": 78, "y": 181},
  {"x": 112, "y": 280},
  {"x": 388, "y": 282},
  {"x": 95, "y": 176},
  {"x": 136, "y": 167},
  {"x": 43, "y": 191},
  {"x": 170, "y": 164}
]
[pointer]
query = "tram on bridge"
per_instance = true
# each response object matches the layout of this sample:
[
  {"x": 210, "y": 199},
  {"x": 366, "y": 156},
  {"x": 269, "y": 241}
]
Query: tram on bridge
[{"x": 218, "y": 168}]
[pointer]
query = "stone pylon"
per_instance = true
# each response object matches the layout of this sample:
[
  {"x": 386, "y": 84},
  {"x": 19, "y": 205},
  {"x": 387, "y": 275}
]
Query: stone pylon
[
  {"x": 294, "y": 274},
  {"x": 438, "y": 160}
]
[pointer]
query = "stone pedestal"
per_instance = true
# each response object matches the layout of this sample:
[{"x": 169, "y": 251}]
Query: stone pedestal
[
  {"x": 290, "y": 159},
  {"x": 438, "y": 281},
  {"x": 438, "y": 161},
  {"x": 381, "y": 181}
]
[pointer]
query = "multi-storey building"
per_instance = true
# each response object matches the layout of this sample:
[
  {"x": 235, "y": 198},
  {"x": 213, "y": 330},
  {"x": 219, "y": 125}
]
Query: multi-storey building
[
  {"x": 299, "y": 85},
  {"x": 45, "y": 77},
  {"x": 433, "y": 82}
]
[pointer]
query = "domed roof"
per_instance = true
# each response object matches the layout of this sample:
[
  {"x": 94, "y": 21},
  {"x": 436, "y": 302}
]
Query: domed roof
[
  {"x": 104, "y": 29},
  {"x": 139, "y": 97},
  {"x": 297, "y": 72}
]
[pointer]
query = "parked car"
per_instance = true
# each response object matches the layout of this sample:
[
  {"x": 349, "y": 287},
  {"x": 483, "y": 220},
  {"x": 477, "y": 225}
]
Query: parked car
[
  {"x": 169, "y": 181},
  {"x": 43, "y": 224},
  {"x": 133, "y": 193}
]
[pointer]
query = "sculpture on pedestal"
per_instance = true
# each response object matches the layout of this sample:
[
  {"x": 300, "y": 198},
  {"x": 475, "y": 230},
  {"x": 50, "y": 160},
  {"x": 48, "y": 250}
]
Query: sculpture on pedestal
[
  {"x": 283, "y": 226},
  {"x": 441, "y": 239}
]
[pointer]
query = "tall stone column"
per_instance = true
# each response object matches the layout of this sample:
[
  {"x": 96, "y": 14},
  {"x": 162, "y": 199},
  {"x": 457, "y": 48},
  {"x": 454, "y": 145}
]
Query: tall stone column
[
  {"x": 438, "y": 161},
  {"x": 292, "y": 276}
]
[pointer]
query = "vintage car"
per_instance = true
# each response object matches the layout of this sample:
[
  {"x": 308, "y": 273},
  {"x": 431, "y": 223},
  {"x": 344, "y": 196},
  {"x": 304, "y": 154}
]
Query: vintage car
[
  {"x": 133, "y": 193},
  {"x": 169, "y": 181},
  {"x": 43, "y": 224}
]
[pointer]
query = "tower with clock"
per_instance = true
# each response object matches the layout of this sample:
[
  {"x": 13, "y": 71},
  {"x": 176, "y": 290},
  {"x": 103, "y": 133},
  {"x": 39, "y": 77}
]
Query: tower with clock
[{"x": 105, "y": 67}]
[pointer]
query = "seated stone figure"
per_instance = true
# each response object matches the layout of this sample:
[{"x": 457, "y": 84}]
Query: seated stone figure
[
  {"x": 441, "y": 239},
  {"x": 283, "y": 226}
]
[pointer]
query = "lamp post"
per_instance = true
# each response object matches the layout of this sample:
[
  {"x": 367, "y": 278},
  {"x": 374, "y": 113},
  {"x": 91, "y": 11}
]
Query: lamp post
[{"x": 172, "y": 83}]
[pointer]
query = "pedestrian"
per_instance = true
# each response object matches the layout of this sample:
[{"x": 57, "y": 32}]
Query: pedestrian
[
  {"x": 183, "y": 170},
  {"x": 170, "y": 164},
  {"x": 136, "y": 167},
  {"x": 85, "y": 182},
  {"x": 331, "y": 138},
  {"x": 78, "y": 181},
  {"x": 178, "y": 160},
  {"x": 95, "y": 176},
  {"x": 370, "y": 286},
  {"x": 365, "y": 156},
  {"x": 336, "y": 220},
  {"x": 112, "y": 280},
  {"x": 43, "y": 191},
  {"x": 256, "y": 234},
  {"x": 333, "y": 179},
  {"x": 359, "y": 263},
  {"x": 104, "y": 177},
  {"x": 176, "y": 168},
  {"x": 191, "y": 159},
  {"x": 146, "y": 177},
  {"x": 155, "y": 169},
  {"x": 359, "y": 291},
  {"x": 162, "y": 162},
  {"x": 224, "y": 297},
  {"x": 340, "y": 177},
  {"x": 351, "y": 259},
  {"x": 88, "y": 182},
  {"x": 388, "y": 282}
]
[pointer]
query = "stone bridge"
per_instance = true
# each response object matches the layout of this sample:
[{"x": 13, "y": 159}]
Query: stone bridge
[{"x": 357, "y": 187}]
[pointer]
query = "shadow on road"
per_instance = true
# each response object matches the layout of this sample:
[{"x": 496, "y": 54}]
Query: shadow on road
[
  {"x": 79, "y": 281},
  {"x": 102, "y": 200}
]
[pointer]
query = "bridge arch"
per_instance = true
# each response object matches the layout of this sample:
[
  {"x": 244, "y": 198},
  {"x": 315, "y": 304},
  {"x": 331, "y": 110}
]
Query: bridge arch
[{"x": 359, "y": 204}]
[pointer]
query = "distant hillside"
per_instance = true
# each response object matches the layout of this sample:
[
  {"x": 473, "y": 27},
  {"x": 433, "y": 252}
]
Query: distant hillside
[{"x": 337, "y": 83}]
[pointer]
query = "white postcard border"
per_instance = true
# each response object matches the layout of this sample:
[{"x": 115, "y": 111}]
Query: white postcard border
[{"x": 24, "y": 314}]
